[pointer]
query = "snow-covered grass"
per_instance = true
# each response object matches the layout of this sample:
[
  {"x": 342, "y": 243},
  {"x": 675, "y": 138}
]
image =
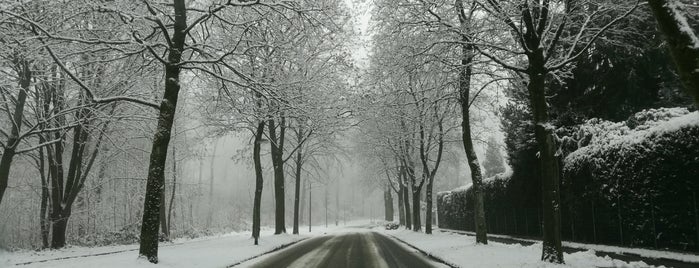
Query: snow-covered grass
[
  {"x": 213, "y": 251},
  {"x": 218, "y": 251},
  {"x": 647, "y": 253},
  {"x": 462, "y": 251},
  {"x": 656, "y": 254}
]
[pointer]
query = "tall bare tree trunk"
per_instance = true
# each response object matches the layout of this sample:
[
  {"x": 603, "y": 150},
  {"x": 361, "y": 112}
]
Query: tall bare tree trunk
[
  {"x": 388, "y": 203},
  {"x": 401, "y": 207},
  {"x": 467, "y": 56},
  {"x": 417, "y": 190},
  {"x": 277, "y": 150},
  {"x": 297, "y": 189},
  {"x": 302, "y": 202},
  {"x": 428, "y": 206},
  {"x": 210, "y": 207},
  {"x": 163, "y": 216},
  {"x": 43, "y": 220},
  {"x": 172, "y": 195},
  {"x": 406, "y": 198},
  {"x": 550, "y": 173},
  {"x": 154, "y": 185},
  {"x": 259, "y": 181}
]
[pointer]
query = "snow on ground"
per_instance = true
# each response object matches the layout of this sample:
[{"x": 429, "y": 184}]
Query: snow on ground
[
  {"x": 215, "y": 251},
  {"x": 210, "y": 252},
  {"x": 656, "y": 254},
  {"x": 462, "y": 251},
  {"x": 649, "y": 253}
]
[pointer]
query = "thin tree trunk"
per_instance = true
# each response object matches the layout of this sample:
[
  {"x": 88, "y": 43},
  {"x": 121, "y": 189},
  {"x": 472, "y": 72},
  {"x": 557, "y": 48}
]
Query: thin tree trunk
[
  {"x": 43, "y": 220},
  {"x": 302, "y": 202},
  {"x": 406, "y": 199},
  {"x": 172, "y": 196},
  {"x": 297, "y": 188},
  {"x": 594, "y": 224},
  {"x": 299, "y": 164},
  {"x": 310, "y": 198},
  {"x": 259, "y": 181},
  {"x": 401, "y": 206},
  {"x": 154, "y": 185},
  {"x": 43, "y": 217},
  {"x": 326, "y": 205},
  {"x": 163, "y": 217},
  {"x": 337, "y": 203},
  {"x": 210, "y": 208}
]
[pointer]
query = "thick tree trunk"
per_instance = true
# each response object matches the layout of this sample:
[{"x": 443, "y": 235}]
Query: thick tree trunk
[
  {"x": 5, "y": 163},
  {"x": 297, "y": 189},
  {"x": 388, "y": 204},
  {"x": 259, "y": 181},
  {"x": 681, "y": 40},
  {"x": 8, "y": 153},
  {"x": 428, "y": 206},
  {"x": 58, "y": 229},
  {"x": 467, "y": 55},
  {"x": 56, "y": 190},
  {"x": 550, "y": 177},
  {"x": 417, "y": 223},
  {"x": 154, "y": 185},
  {"x": 277, "y": 147}
]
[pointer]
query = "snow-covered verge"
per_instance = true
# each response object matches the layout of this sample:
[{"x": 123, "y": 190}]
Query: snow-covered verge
[
  {"x": 647, "y": 253},
  {"x": 462, "y": 251},
  {"x": 218, "y": 251},
  {"x": 213, "y": 251}
]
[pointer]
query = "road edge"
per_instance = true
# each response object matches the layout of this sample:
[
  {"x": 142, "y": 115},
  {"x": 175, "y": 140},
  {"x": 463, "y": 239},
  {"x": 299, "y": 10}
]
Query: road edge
[
  {"x": 431, "y": 256},
  {"x": 278, "y": 248}
]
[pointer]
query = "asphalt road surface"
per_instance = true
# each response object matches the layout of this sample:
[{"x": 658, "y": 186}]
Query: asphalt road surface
[{"x": 346, "y": 250}]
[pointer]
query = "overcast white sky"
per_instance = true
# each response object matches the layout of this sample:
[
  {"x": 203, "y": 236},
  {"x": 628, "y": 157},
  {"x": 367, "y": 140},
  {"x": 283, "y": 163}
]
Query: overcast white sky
[{"x": 361, "y": 16}]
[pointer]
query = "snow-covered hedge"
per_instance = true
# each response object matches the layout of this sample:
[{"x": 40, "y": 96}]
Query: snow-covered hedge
[
  {"x": 632, "y": 183},
  {"x": 641, "y": 175},
  {"x": 455, "y": 207}
]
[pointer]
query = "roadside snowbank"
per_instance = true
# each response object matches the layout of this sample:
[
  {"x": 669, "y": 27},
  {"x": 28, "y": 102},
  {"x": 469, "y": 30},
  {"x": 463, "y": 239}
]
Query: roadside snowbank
[
  {"x": 462, "y": 251},
  {"x": 218, "y": 251},
  {"x": 214, "y": 251}
]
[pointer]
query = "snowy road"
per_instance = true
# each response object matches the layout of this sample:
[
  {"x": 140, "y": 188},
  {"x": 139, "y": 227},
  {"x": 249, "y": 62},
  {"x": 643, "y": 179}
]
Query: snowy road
[{"x": 346, "y": 250}]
